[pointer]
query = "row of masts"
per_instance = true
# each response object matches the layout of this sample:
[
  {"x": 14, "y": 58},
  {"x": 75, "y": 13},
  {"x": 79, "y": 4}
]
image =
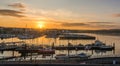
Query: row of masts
[
  {"x": 23, "y": 45},
  {"x": 25, "y": 48}
]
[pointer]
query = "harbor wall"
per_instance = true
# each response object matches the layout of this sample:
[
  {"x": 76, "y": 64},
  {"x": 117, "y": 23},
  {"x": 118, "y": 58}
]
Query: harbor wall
[{"x": 59, "y": 65}]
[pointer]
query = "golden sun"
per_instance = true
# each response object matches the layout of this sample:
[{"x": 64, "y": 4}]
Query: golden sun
[{"x": 41, "y": 25}]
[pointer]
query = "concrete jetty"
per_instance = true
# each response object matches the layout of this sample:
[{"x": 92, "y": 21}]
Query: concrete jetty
[{"x": 18, "y": 64}]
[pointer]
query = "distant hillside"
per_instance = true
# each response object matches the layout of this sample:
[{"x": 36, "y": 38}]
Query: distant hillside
[
  {"x": 115, "y": 32},
  {"x": 5, "y": 30}
]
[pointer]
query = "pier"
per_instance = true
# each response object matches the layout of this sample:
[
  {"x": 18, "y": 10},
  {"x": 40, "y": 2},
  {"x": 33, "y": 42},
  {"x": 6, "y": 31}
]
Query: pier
[
  {"x": 76, "y": 36},
  {"x": 81, "y": 48}
]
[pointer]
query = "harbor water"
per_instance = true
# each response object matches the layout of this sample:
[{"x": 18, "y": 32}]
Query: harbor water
[{"x": 108, "y": 40}]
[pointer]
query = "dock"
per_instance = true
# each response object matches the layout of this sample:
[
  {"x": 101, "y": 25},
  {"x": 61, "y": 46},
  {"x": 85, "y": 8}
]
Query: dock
[
  {"x": 81, "y": 48},
  {"x": 36, "y": 51},
  {"x": 76, "y": 36}
]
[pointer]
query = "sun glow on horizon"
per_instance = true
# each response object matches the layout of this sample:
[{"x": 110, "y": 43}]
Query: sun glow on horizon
[{"x": 41, "y": 24}]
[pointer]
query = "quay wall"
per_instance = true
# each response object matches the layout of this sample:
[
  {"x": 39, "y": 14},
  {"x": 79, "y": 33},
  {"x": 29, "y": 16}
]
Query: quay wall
[
  {"x": 59, "y": 65},
  {"x": 104, "y": 60}
]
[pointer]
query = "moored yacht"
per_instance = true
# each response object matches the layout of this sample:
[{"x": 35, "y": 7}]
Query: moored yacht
[
  {"x": 98, "y": 43},
  {"x": 101, "y": 46}
]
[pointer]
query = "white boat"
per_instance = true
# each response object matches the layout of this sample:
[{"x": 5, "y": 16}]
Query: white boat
[{"x": 98, "y": 43}]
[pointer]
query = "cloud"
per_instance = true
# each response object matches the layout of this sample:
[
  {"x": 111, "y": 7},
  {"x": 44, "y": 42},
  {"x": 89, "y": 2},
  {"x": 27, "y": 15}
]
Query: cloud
[
  {"x": 88, "y": 24},
  {"x": 8, "y": 12},
  {"x": 116, "y": 15},
  {"x": 58, "y": 14},
  {"x": 93, "y": 25},
  {"x": 100, "y": 22},
  {"x": 17, "y": 5},
  {"x": 105, "y": 25},
  {"x": 74, "y": 24}
]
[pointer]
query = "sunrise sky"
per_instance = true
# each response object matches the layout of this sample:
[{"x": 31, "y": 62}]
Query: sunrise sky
[{"x": 61, "y": 14}]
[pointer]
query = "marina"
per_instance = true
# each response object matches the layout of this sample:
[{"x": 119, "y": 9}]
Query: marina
[
  {"x": 22, "y": 48},
  {"x": 56, "y": 50},
  {"x": 59, "y": 32},
  {"x": 57, "y": 47}
]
